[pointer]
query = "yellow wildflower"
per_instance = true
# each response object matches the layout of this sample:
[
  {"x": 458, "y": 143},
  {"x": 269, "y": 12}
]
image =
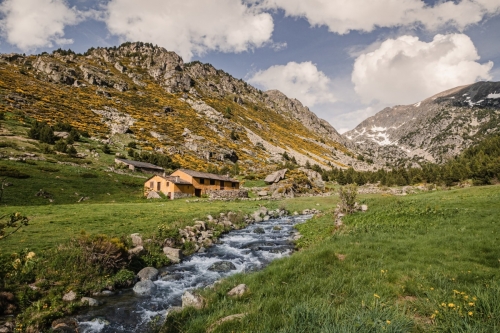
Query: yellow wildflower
[
  {"x": 443, "y": 305},
  {"x": 474, "y": 298},
  {"x": 466, "y": 297},
  {"x": 16, "y": 263},
  {"x": 388, "y": 322},
  {"x": 471, "y": 313},
  {"x": 433, "y": 316},
  {"x": 451, "y": 305},
  {"x": 30, "y": 255},
  {"x": 432, "y": 288},
  {"x": 471, "y": 303},
  {"x": 375, "y": 295}
]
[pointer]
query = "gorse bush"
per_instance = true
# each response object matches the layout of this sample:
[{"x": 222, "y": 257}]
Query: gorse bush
[{"x": 347, "y": 195}]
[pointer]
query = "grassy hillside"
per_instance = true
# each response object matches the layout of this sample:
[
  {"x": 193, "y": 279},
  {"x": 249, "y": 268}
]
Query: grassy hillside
[{"x": 427, "y": 262}]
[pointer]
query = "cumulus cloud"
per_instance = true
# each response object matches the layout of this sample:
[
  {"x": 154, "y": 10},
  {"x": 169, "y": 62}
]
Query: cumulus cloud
[
  {"x": 302, "y": 81},
  {"x": 190, "y": 27},
  {"x": 30, "y": 24},
  {"x": 341, "y": 16},
  {"x": 406, "y": 70}
]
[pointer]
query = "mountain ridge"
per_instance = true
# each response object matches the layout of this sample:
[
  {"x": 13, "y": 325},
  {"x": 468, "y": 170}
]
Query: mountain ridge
[
  {"x": 432, "y": 130},
  {"x": 199, "y": 115}
]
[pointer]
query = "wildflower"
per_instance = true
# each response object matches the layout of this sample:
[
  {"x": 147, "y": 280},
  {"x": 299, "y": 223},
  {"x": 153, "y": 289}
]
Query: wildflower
[
  {"x": 375, "y": 295},
  {"x": 433, "y": 316},
  {"x": 443, "y": 305},
  {"x": 471, "y": 303},
  {"x": 30, "y": 255},
  {"x": 451, "y": 305},
  {"x": 388, "y": 322},
  {"x": 466, "y": 297},
  {"x": 16, "y": 263},
  {"x": 474, "y": 298},
  {"x": 432, "y": 288},
  {"x": 470, "y": 313}
]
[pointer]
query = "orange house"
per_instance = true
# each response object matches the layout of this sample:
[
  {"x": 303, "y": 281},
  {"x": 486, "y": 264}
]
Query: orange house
[
  {"x": 203, "y": 181},
  {"x": 172, "y": 187}
]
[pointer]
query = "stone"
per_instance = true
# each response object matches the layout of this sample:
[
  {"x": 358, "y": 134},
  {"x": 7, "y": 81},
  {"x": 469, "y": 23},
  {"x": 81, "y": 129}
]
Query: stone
[
  {"x": 259, "y": 230},
  {"x": 262, "y": 193},
  {"x": 137, "y": 251},
  {"x": 90, "y": 301},
  {"x": 136, "y": 239},
  {"x": 192, "y": 300},
  {"x": 201, "y": 224},
  {"x": 70, "y": 296},
  {"x": 276, "y": 176},
  {"x": 364, "y": 208},
  {"x": 143, "y": 288},
  {"x": 68, "y": 325},
  {"x": 222, "y": 266},
  {"x": 173, "y": 254},
  {"x": 148, "y": 273},
  {"x": 239, "y": 290},
  {"x": 266, "y": 218},
  {"x": 153, "y": 195}
]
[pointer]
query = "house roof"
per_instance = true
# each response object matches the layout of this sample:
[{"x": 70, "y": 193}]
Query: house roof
[
  {"x": 207, "y": 175},
  {"x": 173, "y": 179},
  {"x": 140, "y": 164}
]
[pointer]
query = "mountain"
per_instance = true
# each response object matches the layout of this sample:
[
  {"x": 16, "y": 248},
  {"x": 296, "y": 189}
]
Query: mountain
[
  {"x": 434, "y": 129},
  {"x": 195, "y": 113}
]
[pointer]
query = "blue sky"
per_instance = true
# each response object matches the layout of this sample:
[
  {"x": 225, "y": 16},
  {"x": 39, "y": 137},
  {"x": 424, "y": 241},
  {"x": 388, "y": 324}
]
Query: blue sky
[{"x": 344, "y": 60}]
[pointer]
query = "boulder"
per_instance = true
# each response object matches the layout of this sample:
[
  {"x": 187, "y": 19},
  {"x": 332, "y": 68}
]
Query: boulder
[
  {"x": 192, "y": 300},
  {"x": 153, "y": 195},
  {"x": 259, "y": 230},
  {"x": 173, "y": 254},
  {"x": 276, "y": 176},
  {"x": 143, "y": 288},
  {"x": 239, "y": 290},
  {"x": 262, "y": 193},
  {"x": 222, "y": 267},
  {"x": 148, "y": 273},
  {"x": 137, "y": 251},
  {"x": 364, "y": 208},
  {"x": 70, "y": 296},
  {"x": 136, "y": 239},
  {"x": 90, "y": 301}
]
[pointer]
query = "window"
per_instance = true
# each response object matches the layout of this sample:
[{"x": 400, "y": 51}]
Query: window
[
  {"x": 233, "y": 185},
  {"x": 212, "y": 182},
  {"x": 168, "y": 184},
  {"x": 151, "y": 185},
  {"x": 202, "y": 181},
  {"x": 158, "y": 186}
]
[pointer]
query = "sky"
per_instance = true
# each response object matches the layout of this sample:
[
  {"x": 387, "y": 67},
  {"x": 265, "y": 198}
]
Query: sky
[{"x": 345, "y": 60}]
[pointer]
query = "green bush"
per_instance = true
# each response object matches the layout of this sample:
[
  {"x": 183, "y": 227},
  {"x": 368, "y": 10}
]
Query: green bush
[{"x": 347, "y": 195}]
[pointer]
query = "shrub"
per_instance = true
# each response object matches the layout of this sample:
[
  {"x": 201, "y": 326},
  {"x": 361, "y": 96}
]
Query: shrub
[
  {"x": 108, "y": 254},
  {"x": 61, "y": 146},
  {"x": 347, "y": 196},
  {"x": 106, "y": 149},
  {"x": 88, "y": 175}
]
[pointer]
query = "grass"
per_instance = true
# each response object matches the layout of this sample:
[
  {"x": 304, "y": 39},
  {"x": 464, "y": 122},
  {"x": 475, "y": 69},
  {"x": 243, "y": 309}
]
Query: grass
[
  {"x": 420, "y": 263},
  {"x": 52, "y": 225}
]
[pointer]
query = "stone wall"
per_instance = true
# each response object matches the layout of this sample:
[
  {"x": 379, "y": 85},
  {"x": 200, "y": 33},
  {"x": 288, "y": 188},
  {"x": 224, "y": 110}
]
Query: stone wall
[
  {"x": 227, "y": 194},
  {"x": 180, "y": 195}
]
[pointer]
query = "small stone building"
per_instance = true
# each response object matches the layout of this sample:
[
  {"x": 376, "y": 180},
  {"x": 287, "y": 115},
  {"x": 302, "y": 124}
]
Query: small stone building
[
  {"x": 171, "y": 187},
  {"x": 186, "y": 183},
  {"x": 140, "y": 166}
]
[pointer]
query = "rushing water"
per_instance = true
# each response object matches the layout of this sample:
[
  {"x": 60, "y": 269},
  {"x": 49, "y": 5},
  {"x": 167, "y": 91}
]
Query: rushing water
[{"x": 246, "y": 249}]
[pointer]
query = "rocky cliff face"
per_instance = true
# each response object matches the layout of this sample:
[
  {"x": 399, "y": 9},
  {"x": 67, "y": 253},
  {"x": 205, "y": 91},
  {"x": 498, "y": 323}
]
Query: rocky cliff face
[
  {"x": 434, "y": 129},
  {"x": 193, "y": 112}
]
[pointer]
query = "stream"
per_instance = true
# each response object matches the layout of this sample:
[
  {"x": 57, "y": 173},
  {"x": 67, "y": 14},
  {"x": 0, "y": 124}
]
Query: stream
[{"x": 248, "y": 249}]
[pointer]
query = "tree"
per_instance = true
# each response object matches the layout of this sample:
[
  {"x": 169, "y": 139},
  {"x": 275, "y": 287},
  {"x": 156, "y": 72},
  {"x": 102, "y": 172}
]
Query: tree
[
  {"x": 347, "y": 196},
  {"x": 15, "y": 222}
]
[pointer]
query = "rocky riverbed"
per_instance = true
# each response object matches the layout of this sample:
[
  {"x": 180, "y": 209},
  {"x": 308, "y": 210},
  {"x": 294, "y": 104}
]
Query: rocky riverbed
[{"x": 169, "y": 288}]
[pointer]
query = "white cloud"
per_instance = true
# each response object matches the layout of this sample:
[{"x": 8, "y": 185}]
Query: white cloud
[
  {"x": 279, "y": 46},
  {"x": 30, "y": 24},
  {"x": 341, "y": 16},
  {"x": 190, "y": 27},
  {"x": 406, "y": 70},
  {"x": 302, "y": 81}
]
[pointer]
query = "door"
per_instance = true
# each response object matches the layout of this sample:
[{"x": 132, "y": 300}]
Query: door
[
  {"x": 158, "y": 186},
  {"x": 197, "y": 192}
]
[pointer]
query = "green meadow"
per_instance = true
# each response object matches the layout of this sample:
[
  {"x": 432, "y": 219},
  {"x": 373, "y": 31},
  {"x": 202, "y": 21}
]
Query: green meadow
[{"x": 420, "y": 263}]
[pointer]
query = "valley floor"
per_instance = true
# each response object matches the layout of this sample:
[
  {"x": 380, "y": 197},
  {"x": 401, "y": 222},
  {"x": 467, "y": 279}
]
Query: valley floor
[{"x": 420, "y": 263}]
